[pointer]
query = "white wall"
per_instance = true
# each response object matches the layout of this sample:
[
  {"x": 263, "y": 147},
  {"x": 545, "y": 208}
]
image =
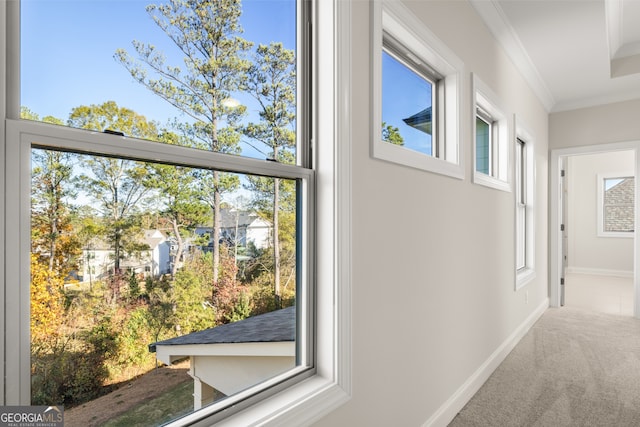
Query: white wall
[
  {"x": 595, "y": 125},
  {"x": 588, "y": 252},
  {"x": 433, "y": 257}
]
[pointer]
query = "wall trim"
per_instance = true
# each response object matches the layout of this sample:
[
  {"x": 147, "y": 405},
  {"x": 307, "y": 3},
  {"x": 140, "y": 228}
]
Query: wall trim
[
  {"x": 447, "y": 412},
  {"x": 556, "y": 158},
  {"x": 497, "y": 22},
  {"x": 600, "y": 272}
]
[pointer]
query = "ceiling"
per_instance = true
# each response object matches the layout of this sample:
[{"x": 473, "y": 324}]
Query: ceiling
[{"x": 573, "y": 53}]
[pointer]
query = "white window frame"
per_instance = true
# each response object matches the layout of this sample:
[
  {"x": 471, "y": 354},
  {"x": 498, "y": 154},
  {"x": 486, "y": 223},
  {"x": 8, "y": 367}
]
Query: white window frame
[
  {"x": 486, "y": 106},
  {"x": 393, "y": 19},
  {"x": 294, "y": 404},
  {"x": 527, "y": 273},
  {"x": 600, "y": 204}
]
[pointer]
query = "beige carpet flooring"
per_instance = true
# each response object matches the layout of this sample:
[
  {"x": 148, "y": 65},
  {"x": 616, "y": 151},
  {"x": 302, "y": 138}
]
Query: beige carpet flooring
[{"x": 573, "y": 368}]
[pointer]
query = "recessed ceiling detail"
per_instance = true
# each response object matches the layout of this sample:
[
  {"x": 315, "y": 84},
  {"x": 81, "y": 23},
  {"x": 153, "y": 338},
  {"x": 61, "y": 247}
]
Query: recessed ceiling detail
[
  {"x": 623, "y": 30},
  {"x": 574, "y": 53}
]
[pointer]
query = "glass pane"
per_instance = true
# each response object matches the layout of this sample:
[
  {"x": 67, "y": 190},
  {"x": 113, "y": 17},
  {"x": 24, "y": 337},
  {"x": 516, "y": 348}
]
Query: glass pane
[
  {"x": 521, "y": 237},
  {"x": 520, "y": 173},
  {"x": 136, "y": 278},
  {"x": 407, "y": 107},
  {"x": 219, "y": 75},
  {"x": 483, "y": 146},
  {"x": 619, "y": 198}
]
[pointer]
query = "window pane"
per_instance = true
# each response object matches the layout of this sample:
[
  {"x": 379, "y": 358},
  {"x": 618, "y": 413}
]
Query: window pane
[
  {"x": 407, "y": 107},
  {"x": 521, "y": 207},
  {"x": 521, "y": 237},
  {"x": 483, "y": 146},
  {"x": 619, "y": 198},
  {"x": 126, "y": 275},
  {"x": 124, "y": 66},
  {"x": 521, "y": 194}
]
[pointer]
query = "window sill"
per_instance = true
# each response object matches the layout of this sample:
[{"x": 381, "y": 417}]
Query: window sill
[
  {"x": 619, "y": 235},
  {"x": 524, "y": 277},
  {"x": 491, "y": 182},
  {"x": 301, "y": 404},
  {"x": 400, "y": 155}
]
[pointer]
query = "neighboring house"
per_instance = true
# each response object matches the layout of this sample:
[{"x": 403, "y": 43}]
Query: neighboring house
[
  {"x": 98, "y": 258},
  {"x": 619, "y": 206},
  {"x": 241, "y": 228},
  {"x": 234, "y": 356}
]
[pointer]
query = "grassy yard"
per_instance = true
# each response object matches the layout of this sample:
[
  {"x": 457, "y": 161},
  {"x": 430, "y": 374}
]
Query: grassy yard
[{"x": 170, "y": 405}]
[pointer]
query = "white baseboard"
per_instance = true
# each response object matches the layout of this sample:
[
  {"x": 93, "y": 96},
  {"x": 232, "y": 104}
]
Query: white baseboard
[
  {"x": 445, "y": 414},
  {"x": 600, "y": 272}
]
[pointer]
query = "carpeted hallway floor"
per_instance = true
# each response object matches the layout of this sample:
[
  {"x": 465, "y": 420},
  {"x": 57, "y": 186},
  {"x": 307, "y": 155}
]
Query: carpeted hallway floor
[{"x": 573, "y": 368}]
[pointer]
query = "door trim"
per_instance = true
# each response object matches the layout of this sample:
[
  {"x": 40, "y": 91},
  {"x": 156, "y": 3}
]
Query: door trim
[{"x": 555, "y": 211}]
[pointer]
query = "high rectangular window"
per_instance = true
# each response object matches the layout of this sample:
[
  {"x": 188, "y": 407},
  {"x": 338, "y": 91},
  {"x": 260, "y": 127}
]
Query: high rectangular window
[
  {"x": 416, "y": 89},
  {"x": 491, "y": 147},
  {"x": 408, "y": 116},
  {"x": 483, "y": 143}
]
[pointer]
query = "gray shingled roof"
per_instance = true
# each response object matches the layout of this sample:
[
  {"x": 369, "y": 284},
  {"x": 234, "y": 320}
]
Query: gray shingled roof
[
  {"x": 421, "y": 120},
  {"x": 276, "y": 326}
]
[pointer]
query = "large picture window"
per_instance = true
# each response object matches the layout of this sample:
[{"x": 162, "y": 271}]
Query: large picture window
[{"x": 165, "y": 220}]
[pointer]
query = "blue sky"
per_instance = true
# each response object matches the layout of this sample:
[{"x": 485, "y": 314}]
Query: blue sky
[
  {"x": 404, "y": 93},
  {"x": 68, "y": 47}
]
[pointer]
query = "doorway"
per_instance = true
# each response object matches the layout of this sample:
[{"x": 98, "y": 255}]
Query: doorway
[{"x": 587, "y": 261}]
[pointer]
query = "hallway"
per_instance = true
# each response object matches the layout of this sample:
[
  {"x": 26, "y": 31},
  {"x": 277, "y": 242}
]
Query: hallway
[
  {"x": 604, "y": 294},
  {"x": 575, "y": 367}
]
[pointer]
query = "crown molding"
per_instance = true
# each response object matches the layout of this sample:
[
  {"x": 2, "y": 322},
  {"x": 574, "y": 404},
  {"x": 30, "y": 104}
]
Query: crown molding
[{"x": 499, "y": 25}]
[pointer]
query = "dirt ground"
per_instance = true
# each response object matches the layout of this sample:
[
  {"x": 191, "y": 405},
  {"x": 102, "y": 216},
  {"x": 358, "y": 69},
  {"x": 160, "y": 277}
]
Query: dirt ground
[{"x": 147, "y": 386}]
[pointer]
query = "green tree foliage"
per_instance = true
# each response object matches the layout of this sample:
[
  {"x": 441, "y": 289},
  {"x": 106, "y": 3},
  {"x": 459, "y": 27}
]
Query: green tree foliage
[
  {"x": 182, "y": 208},
  {"x": 192, "y": 295},
  {"x": 207, "y": 32},
  {"x": 47, "y": 307},
  {"x": 271, "y": 81},
  {"x": 116, "y": 184},
  {"x": 391, "y": 134},
  {"x": 110, "y": 116},
  {"x": 52, "y": 185}
]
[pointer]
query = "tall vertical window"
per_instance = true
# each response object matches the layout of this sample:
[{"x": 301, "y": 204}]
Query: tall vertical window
[
  {"x": 521, "y": 205},
  {"x": 168, "y": 228},
  {"x": 524, "y": 191},
  {"x": 616, "y": 205},
  {"x": 416, "y": 89}
]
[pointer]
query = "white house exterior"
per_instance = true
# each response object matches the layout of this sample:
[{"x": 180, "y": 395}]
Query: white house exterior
[
  {"x": 241, "y": 228},
  {"x": 98, "y": 258}
]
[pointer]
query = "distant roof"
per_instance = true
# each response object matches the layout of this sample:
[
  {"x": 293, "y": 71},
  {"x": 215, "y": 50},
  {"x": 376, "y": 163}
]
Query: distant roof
[
  {"x": 420, "y": 120},
  {"x": 275, "y": 326},
  {"x": 150, "y": 237},
  {"x": 230, "y": 218}
]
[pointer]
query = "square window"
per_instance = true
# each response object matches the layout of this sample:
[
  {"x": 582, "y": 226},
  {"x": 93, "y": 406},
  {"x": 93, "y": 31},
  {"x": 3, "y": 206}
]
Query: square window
[
  {"x": 416, "y": 87},
  {"x": 407, "y": 105}
]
